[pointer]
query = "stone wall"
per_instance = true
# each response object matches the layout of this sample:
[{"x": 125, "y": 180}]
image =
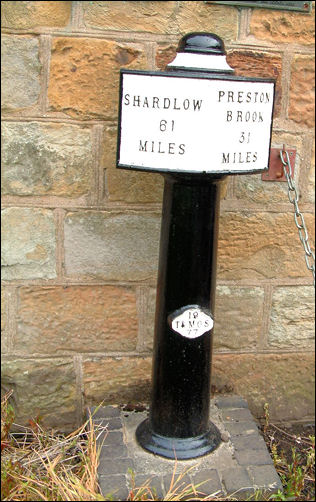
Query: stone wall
[{"x": 80, "y": 238}]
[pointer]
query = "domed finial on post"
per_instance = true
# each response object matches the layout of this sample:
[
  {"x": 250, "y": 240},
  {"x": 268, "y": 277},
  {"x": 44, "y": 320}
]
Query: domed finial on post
[{"x": 201, "y": 52}]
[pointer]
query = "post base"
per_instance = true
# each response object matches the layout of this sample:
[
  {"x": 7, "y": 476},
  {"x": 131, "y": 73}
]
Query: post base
[{"x": 176, "y": 448}]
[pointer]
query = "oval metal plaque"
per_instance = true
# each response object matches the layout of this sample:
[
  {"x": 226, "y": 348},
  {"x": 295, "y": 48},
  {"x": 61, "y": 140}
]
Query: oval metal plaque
[{"x": 191, "y": 321}]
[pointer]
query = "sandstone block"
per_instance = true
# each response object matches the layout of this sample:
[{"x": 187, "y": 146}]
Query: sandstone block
[
  {"x": 152, "y": 17},
  {"x": 46, "y": 159},
  {"x": 116, "y": 380},
  {"x": 284, "y": 381},
  {"x": 282, "y": 26},
  {"x": 45, "y": 388},
  {"x": 28, "y": 247},
  {"x": 292, "y": 318},
  {"x": 238, "y": 317},
  {"x": 259, "y": 64},
  {"x": 261, "y": 246},
  {"x": 4, "y": 319},
  {"x": 111, "y": 246},
  {"x": 150, "y": 319},
  {"x": 25, "y": 15},
  {"x": 20, "y": 77},
  {"x": 84, "y": 75},
  {"x": 302, "y": 91},
  {"x": 127, "y": 186},
  {"x": 164, "y": 55},
  {"x": 60, "y": 320},
  {"x": 253, "y": 189},
  {"x": 198, "y": 16}
]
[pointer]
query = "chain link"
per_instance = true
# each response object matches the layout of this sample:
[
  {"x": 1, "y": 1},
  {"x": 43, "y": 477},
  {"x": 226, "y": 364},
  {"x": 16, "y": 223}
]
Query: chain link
[{"x": 298, "y": 217}]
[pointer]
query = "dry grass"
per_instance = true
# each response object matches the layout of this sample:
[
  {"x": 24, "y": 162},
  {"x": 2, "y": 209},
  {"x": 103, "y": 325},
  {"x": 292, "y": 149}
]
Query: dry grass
[{"x": 41, "y": 465}]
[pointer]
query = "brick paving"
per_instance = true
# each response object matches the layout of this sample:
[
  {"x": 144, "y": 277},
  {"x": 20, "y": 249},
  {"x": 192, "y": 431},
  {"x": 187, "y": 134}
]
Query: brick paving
[{"x": 238, "y": 467}]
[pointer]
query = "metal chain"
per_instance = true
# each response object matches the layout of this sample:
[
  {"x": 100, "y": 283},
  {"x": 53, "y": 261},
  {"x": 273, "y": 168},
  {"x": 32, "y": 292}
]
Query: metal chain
[{"x": 298, "y": 217}]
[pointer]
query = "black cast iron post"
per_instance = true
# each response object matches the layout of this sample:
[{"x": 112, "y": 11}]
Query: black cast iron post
[
  {"x": 178, "y": 425},
  {"x": 152, "y": 132}
]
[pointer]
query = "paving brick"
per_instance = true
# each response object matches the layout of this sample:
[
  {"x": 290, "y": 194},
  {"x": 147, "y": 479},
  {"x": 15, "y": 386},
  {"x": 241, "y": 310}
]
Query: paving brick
[
  {"x": 115, "y": 465},
  {"x": 154, "y": 483},
  {"x": 109, "y": 438},
  {"x": 28, "y": 244},
  {"x": 26, "y": 15},
  {"x": 265, "y": 477},
  {"x": 249, "y": 442},
  {"x": 207, "y": 482},
  {"x": 238, "y": 428},
  {"x": 20, "y": 76},
  {"x": 114, "y": 487},
  {"x": 57, "y": 320},
  {"x": 230, "y": 402},
  {"x": 46, "y": 159},
  {"x": 112, "y": 424},
  {"x": 105, "y": 411},
  {"x": 113, "y": 451},
  {"x": 110, "y": 246},
  {"x": 84, "y": 75},
  {"x": 239, "y": 415},
  {"x": 181, "y": 484},
  {"x": 253, "y": 457},
  {"x": 238, "y": 483}
]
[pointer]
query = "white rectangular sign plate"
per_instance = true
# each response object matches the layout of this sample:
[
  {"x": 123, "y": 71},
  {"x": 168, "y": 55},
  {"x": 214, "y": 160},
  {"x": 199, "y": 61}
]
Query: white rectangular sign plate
[{"x": 194, "y": 124}]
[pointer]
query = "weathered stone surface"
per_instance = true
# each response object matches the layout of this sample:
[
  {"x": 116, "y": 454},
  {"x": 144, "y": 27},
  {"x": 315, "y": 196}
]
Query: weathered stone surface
[
  {"x": 198, "y": 16},
  {"x": 284, "y": 381},
  {"x": 259, "y": 64},
  {"x": 28, "y": 245},
  {"x": 44, "y": 387},
  {"x": 25, "y": 15},
  {"x": 282, "y": 26},
  {"x": 20, "y": 76},
  {"x": 116, "y": 380},
  {"x": 238, "y": 317},
  {"x": 310, "y": 188},
  {"x": 127, "y": 186},
  {"x": 150, "y": 319},
  {"x": 164, "y": 55},
  {"x": 292, "y": 317},
  {"x": 59, "y": 320},
  {"x": 111, "y": 246},
  {"x": 46, "y": 159},
  {"x": 302, "y": 91},
  {"x": 254, "y": 189},
  {"x": 84, "y": 75},
  {"x": 141, "y": 16},
  {"x": 4, "y": 319},
  {"x": 260, "y": 245}
]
